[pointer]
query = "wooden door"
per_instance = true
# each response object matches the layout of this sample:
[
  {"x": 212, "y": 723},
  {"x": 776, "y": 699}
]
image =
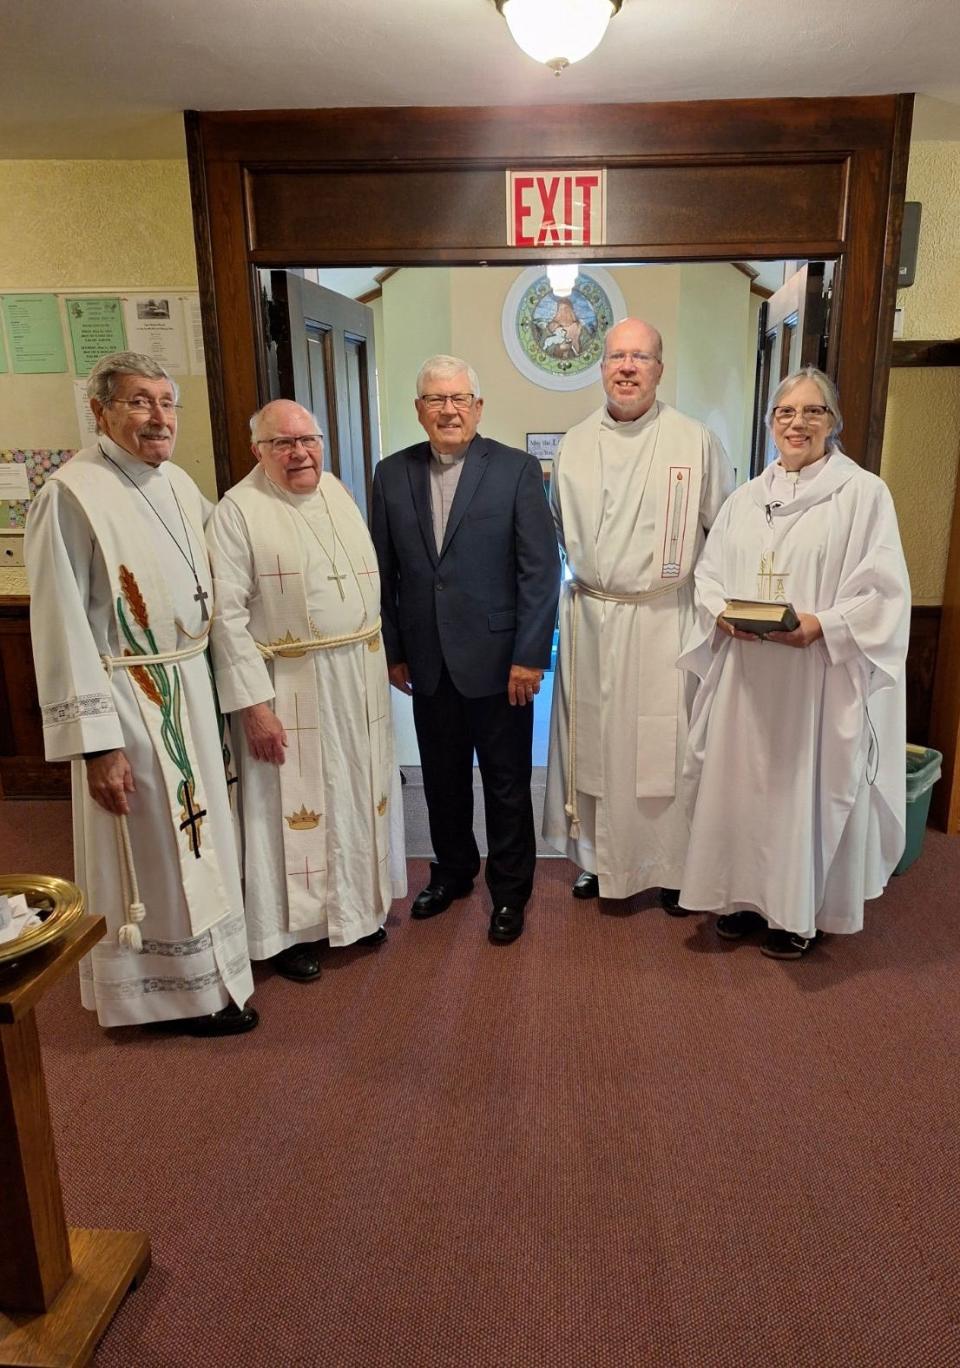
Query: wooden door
[
  {"x": 792, "y": 333},
  {"x": 317, "y": 347}
]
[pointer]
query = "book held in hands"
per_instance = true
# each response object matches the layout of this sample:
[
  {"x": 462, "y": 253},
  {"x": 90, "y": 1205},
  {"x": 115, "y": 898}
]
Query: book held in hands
[{"x": 759, "y": 618}]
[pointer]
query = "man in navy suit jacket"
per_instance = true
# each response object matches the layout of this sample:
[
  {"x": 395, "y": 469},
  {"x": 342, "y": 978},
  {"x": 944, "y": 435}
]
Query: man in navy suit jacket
[{"x": 470, "y": 576}]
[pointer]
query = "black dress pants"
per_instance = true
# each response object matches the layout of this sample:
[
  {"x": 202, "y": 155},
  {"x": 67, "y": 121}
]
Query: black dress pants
[{"x": 450, "y": 728}]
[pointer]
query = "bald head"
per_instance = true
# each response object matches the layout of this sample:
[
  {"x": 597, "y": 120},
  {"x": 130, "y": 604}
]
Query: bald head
[
  {"x": 632, "y": 368},
  {"x": 286, "y": 440}
]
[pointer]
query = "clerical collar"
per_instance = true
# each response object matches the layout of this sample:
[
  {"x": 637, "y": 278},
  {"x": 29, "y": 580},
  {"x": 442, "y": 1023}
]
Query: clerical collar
[
  {"x": 131, "y": 464},
  {"x": 442, "y": 458},
  {"x": 805, "y": 473},
  {"x": 631, "y": 425}
]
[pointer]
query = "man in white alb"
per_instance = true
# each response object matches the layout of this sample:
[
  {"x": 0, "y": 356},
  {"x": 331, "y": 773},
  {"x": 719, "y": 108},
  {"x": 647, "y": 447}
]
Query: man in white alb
[
  {"x": 119, "y": 611},
  {"x": 298, "y": 655},
  {"x": 634, "y": 487}
]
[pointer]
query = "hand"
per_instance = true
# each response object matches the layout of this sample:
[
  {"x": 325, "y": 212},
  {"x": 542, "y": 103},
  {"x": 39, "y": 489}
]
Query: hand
[
  {"x": 400, "y": 678},
  {"x": 728, "y": 629},
  {"x": 265, "y": 735},
  {"x": 804, "y": 635},
  {"x": 522, "y": 685},
  {"x": 110, "y": 779}
]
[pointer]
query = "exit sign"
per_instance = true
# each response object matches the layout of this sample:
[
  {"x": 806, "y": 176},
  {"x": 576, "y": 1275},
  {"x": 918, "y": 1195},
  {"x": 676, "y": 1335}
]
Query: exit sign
[{"x": 556, "y": 208}]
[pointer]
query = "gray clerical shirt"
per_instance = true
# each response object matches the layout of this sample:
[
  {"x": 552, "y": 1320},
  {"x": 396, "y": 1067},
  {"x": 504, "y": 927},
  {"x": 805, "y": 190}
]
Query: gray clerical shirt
[{"x": 444, "y": 478}]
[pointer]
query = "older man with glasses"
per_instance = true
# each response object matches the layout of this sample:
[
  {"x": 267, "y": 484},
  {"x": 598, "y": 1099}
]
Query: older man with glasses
[
  {"x": 120, "y": 610},
  {"x": 634, "y": 488},
  {"x": 298, "y": 657},
  {"x": 470, "y": 574}
]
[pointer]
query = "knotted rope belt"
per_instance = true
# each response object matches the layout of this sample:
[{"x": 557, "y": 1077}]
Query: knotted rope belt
[
  {"x": 294, "y": 647},
  {"x": 576, "y": 588},
  {"x": 128, "y": 935}
]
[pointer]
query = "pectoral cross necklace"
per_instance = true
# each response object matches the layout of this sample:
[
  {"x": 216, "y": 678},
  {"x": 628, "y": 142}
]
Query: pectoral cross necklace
[
  {"x": 201, "y": 595},
  {"x": 337, "y": 576}
]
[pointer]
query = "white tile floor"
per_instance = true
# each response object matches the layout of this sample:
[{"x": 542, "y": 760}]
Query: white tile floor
[{"x": 408, "y": 752}]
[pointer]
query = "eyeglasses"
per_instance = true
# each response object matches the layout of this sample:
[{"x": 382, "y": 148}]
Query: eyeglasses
[
  {"x": 283, "y": 446},
  {"x": 811, "y": 413},
  {"x": 144, "y": 405},
  {"x": 437, "y": 401},
  {"x": 617, "y": 358}
]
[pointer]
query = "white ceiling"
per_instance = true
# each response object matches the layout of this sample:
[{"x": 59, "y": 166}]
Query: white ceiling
[{"x": 109, "y": 77}]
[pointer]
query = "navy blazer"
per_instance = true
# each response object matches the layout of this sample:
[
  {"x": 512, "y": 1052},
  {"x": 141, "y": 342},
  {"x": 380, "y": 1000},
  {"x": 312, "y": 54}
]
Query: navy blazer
[{"x": 488, "y": 599}]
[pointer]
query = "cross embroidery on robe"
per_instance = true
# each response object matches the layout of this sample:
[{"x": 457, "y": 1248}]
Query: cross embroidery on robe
[
  {"x": 192, "y": 818},
  {"x": 297, "y": 729},
  {"x": 279, "y": 574},
  {"x": 770, "y": 580}
]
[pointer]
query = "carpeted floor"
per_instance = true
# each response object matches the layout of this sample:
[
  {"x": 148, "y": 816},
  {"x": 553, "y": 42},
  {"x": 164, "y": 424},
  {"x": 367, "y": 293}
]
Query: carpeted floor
[{"x": 619, "y": 1141}]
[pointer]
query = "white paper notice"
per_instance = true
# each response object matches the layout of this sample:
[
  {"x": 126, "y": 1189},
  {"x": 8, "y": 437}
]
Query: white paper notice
[
  {"x": 154, "y": 325},
  {"x": 85, "y": 419},
  {"x": 193, "y": 325},
  {"x": 13, "y": 480}
]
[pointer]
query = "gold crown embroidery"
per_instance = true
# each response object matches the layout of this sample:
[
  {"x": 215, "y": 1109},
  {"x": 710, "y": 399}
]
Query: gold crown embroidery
[
  {"x": 291, "y": 651},
  {"x": 302, "y": 820}
]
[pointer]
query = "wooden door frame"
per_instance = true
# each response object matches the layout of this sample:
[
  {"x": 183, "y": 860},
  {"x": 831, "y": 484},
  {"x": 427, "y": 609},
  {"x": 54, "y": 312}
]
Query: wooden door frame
[{"x": 703, "y": 181}]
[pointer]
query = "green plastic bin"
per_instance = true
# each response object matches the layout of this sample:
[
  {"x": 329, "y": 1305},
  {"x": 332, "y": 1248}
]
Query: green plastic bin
[{"x": 923, "y": 771}]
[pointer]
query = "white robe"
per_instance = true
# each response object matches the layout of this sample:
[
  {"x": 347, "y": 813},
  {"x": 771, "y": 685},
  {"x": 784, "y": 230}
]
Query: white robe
[
  {"x": 613, "y": 500},
  {"x": 798, "y": 753},
  {"x": 358, "y": 894},
  {"x": 178, "y": 974}
]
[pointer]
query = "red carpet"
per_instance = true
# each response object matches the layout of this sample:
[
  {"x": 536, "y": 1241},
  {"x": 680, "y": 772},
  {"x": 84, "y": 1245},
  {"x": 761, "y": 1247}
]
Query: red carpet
[{"x": 619, "y": 1141}]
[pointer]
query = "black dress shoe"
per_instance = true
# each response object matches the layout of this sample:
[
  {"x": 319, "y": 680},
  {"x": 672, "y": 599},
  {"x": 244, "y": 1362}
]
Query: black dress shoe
[
  {"x": 437, "y": 897},
  {"x": 375, "y": 937},
  {"x": 299, "y": 963},
  {"x": 587, "y": 886},
  {"x": 230, "y": 1020},
  {"x": 506, "y": 924},
  {"x": 670, "y": 902}
]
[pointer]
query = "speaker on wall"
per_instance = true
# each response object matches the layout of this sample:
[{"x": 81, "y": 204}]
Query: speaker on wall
[{"x": 909, "y": 242}]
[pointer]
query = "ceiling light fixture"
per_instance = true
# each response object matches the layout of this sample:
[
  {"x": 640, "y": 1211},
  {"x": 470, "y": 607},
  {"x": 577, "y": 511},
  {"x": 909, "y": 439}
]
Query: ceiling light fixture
[
  {"x": 563, "y": 277},
  {"x": 558, "y": 32}
]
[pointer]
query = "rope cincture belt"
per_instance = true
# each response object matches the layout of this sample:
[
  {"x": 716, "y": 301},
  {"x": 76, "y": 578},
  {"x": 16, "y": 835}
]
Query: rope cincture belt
[
  {"x": 294, "y": 647},
  {"x": 128, "y": 936},
  {"x": 577, "y": 587}
]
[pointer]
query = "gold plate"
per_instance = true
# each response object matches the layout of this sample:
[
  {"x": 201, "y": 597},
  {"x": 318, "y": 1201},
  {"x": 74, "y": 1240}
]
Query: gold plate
[{"x": 60, "y": 899}]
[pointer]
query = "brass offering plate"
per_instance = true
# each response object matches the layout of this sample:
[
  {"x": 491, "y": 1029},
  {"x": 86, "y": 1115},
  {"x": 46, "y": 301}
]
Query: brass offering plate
[{"x": 58, "y": 902}]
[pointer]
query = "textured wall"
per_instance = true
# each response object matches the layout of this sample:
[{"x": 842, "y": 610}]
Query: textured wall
[
  {"x": 921, "y": 444},
  {"x": 94, "y": 225}
]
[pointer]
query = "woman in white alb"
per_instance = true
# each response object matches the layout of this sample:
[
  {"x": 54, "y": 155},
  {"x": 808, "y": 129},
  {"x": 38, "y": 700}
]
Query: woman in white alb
[{"x": 796, "y": 752}]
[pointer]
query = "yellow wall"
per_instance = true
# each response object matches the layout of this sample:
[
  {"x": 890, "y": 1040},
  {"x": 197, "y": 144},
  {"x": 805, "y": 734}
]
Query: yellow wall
[
  {"x": 921, "y": 443},
  {"x": 89, "y": 225},
  {"x": 704, "y": 355}
]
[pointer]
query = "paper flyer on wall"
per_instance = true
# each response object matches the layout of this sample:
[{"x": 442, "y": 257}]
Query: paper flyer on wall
[
  {"x": 35, "y": 334},
  {"x": 96, "y": 329},
  {"x": 193, "y": 326},
  {"x": 154, "y": 325},
  {"x": 85, "y": 419}
]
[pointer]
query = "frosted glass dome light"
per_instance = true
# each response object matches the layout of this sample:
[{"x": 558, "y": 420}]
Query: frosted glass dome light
[{"x": 558, "y": 32}]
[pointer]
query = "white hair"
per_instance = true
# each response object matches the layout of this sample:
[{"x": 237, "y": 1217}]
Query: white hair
[
  {"x": 445, "y": 368},
  {"x": 255, "y": 417},
  {"x": 102, "y": 384}
]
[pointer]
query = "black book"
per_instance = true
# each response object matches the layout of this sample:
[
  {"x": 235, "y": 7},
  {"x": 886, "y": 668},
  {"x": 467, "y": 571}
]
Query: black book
[{"x": 758, "y": 618}]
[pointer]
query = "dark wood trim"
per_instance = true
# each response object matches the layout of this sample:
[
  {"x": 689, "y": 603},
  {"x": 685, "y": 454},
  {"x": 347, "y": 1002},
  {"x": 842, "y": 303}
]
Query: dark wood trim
[
  {"x": 346, "y": 187},
  {"x": 945, "y": 711},
  {"x": 921, "y": 670},
  {"x": 925, "y": 353},
  {"x": 760, "y": 291}
]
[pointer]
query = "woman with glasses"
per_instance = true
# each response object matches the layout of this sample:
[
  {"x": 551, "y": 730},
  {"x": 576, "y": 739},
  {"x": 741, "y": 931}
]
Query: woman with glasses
[{"x": 796, "y": 753}]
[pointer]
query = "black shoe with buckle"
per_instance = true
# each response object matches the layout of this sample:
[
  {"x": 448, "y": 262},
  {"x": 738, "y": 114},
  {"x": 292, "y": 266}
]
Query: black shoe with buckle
[
  {"x": 786, "y": 945},
  {"x": 736, "y": 925},
  {"x": 587, "y": 886},
  {"x": 506, "y": 924},
  {"x": 299, "y": 963},
  {"x": 437, "y": 897}
]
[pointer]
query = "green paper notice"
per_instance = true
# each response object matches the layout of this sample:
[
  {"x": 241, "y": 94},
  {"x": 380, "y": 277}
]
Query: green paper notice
[
  {"x": 35, "y": 334},
  {"x": 3, "y": 355},
  {"x": 96, "y": 329}
]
